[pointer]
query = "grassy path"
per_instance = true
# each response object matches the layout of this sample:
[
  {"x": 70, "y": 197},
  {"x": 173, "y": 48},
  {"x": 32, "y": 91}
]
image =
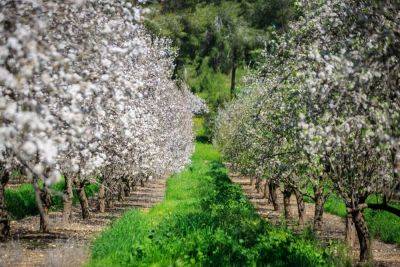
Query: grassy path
[
  {"x": 204, "y": 220},
  {"x": 333, "y": 225}
]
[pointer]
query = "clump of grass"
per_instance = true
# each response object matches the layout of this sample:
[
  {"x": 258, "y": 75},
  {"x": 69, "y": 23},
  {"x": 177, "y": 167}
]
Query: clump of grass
[
  {"x": 204, "y": 220},
  {"x": 20, "y": 202},
  {"x": 335, "y": 205}
]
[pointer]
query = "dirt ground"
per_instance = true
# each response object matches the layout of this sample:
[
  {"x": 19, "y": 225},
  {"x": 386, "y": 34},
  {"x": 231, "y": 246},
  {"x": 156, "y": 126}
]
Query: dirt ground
[
  {"x": 68, "y": 245},
  {"x": 333, "y": 226}
]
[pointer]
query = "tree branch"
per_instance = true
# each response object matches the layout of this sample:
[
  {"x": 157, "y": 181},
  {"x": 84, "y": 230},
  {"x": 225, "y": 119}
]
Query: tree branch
[{"x": 385, "y": 207}]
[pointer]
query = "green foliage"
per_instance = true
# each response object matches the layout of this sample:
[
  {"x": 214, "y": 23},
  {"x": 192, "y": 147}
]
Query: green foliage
[
  {"x": 335, "y": 205},
  {"x": 20, "y": 202},
  {"x": 205, "y": 220},
  {"x": 213, "y": 37},
  {"x": 383, "y": 225},
  {"x": 273, "y": 12}
]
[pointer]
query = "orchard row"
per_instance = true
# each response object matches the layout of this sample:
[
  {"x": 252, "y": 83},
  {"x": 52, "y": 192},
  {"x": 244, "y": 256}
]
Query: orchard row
[
  {"x": 86, "y": 94},
  {"x": 323, "y": 111}
]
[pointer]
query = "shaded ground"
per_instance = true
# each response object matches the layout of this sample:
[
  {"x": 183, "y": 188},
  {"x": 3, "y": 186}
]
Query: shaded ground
[
  {"x": 333, "y": 226},
  {"x": 68, "y": 244}
]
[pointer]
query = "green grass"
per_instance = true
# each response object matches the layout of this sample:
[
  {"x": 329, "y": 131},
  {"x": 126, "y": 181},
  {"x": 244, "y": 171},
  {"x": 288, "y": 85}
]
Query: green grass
[
  {"x": 20, "y": 201},
  {"x": 383, "y": 225},
  {"x": 205, "y": 220},
  {"x": 335, "y": 205}
]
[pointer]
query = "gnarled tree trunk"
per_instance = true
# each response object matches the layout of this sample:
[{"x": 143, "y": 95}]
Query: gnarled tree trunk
[
  {"x": 102, "y": 198},
  {"x": 258, "y": 184},
  {"x": 319, "y": 199},
  {"x": 265, "y": 190},
  {"x": 300, "y": 206},
  {"x": 83, "y": 200},
  {"x": 120, "y": 192},
  {"x": 272, "y": 187},
  {"x": 68, "y": 199},
  {"x": 44, "y": 220},
  {"x": 4, "y": 219},
  {"x": 287, "y": 193},
  {"x": 350, "y": 231},
  {"x": 127, "y": 188},
  {"x": 109, "y": 199},
  {"x": 46, "y": 200},
  {"x": 364, "y": 237}
]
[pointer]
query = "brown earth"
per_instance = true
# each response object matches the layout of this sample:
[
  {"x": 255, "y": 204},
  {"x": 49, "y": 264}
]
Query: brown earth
[
  {"x": 67, "y": 245},
  {"x": 333, "y": 226}
]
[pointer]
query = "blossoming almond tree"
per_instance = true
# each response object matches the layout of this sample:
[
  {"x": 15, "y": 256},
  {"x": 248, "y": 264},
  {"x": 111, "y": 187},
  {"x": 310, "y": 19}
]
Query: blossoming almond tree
[
  {"x": 86, "y": 92},
  {"x": 353, "y": 89},
  {"x": 336, "y": 79}
]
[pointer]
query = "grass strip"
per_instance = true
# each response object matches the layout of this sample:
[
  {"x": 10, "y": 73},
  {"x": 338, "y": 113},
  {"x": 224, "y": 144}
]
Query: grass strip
[{"x": 205, "y": 220}]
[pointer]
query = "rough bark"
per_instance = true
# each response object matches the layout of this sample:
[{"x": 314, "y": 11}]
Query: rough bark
[
  {"x": 4, "y": 218},
  {"x": 350, "y": 231},
  {"x": 44, "y": 220},
  {"x": 121, "y": 192},
  {"x": 258, "y": 185},
  {"x": 287, "y": 193},
  {"x": 301, "y": 208},
  {"x": 83, "y": 200},
  {"x": 68, "y": 199},
  {"x": 272, "y": 187},
  {"x": 102, "y": 198},
  {"x": 127, "y": 188},
  {"x": 386, "y": 207},
  {"x": 46, "y": 200},
  {"x": 109, "y": 200},
  {"x": 265, "y": 193},
  {"x": 319, "y": 208},
  {"x": 364, "y": 237}
]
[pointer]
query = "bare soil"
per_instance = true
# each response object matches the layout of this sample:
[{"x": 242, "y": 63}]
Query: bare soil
[
  {"x": 68, "y": 245},
  {"x": 333, "y": 226}
]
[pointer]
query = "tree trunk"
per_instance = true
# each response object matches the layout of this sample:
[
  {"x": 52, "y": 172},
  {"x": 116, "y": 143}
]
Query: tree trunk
[
  {"x": 258, "y": 185},
  {"x": 83, "y": 200},
  {"x": 121, "y": 192},
  {"x": 363, "y": 236},
  {"x": 265, "y": 195},
  {"x": 46, "y": 200},
  {"x": 127, "y": 188},
  {"x": 109, "y": 199},
  {"x": 319, "y": 208},
  {"x": 102, "y": 198},
  {"x": 233, "y": 75},
  {"x": 44, "y": 220},
  {"x": 300, "y": 206},
  {"x": 4, "y": 219},
  {"x": 350, "y": 231},
  {"x": 287, "y": 193},
  {"x": 273, "y": 195},
  {"x": 68, "y": 199}
]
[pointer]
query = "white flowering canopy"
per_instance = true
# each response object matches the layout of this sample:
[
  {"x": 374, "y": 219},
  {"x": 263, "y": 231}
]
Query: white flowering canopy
[
  {"x": 327, "y": 98},
  {"x": 84, "y": 88},
  {"x": 324, "y": 108}
]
